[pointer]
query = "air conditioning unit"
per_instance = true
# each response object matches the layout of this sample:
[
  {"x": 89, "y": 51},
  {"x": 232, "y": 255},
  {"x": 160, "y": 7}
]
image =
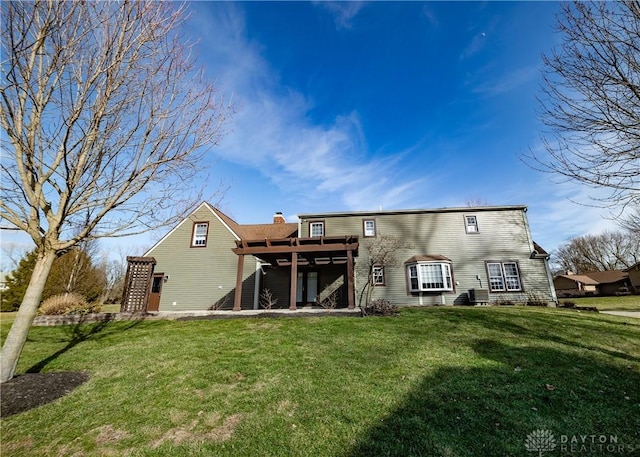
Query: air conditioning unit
[{"x": 477, "y": 296}]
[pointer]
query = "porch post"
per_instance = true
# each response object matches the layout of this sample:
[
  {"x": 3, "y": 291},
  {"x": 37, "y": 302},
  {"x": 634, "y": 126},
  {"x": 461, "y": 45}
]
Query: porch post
[
  {"x": 237, "y": 299},
  {"x": 351, "y": 293},
  {"x": 294, "y": 281}
]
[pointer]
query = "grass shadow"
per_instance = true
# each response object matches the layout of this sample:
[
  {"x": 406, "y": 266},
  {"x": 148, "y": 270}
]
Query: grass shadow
[
  {"x": 544, "y": 326},
  {"x": 81, "y": 332},
  {"x": 490, "y": 409}
]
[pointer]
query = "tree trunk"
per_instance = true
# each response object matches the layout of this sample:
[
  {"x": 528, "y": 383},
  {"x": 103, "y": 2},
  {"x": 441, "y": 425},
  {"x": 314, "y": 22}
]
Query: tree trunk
[{"x": 26, "y": 313}]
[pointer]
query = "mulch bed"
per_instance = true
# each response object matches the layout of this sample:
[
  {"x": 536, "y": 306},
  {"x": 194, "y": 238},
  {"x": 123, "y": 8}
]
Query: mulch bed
[{"x": 31, "y": 390}]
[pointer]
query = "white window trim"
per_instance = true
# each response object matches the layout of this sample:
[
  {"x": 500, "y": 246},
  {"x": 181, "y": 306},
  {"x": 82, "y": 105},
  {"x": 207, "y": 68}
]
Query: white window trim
[
  {"x": 445, "y": 271},
  {"x": 504, "y": 278},
  {"x": 379, "y": 275},
  {"x": 369, "y": 232},
  {"x": 199, "y": 240},
  {"x": 471, "y": 228},
  {"x": 316, "y": 223}
]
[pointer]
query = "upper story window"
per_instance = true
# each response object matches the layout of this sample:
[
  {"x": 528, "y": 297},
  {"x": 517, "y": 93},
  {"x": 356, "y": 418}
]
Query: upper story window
[
  {"x": 429, "y": 276},
  {"x": 316, "y": 228},
  {"x": 504, "y": 277},
  {"x": 377, "y": 275},
  {"x": 369, "y": 227},
  {"x": 471, "y": 224},
  {"x": 200, "y": 232}
]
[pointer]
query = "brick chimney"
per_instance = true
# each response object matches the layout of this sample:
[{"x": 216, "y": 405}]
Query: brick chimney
[{"x": 278, "y": 218}]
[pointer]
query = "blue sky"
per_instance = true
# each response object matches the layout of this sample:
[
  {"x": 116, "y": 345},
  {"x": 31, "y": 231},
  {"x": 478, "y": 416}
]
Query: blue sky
[
  {"x": 393, "y": 105},
  {"x": 361, "y": 106}
]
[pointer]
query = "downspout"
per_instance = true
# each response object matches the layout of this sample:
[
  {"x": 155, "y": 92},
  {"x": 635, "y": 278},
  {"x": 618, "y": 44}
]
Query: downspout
[
  {"x": 552, "y": 289},
  {"x": 256, "y": 284},
  {"x": 550, "y": 279}
]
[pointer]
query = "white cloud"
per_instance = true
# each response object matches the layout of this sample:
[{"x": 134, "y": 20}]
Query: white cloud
[
  {"x": 476, "y": 45},
  {"x": 561, "y": 211},
  {"x": 508, "y": 82},
  {"x": 272, "y": 132},
  {"x": 343, "y": 11}
]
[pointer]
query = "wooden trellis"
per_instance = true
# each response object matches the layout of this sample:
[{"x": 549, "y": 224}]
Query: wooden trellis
[{"x": 137, "y": 284}]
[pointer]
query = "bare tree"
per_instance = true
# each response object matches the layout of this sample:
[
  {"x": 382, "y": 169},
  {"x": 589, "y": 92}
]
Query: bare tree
[
  {"x": 106, "y": 121},
  {"x": 475, "y": 202},
  {"x": 590, "y": 103},
  {"x": 377, "y": 254},
  {"x": 606, "y": 251}
]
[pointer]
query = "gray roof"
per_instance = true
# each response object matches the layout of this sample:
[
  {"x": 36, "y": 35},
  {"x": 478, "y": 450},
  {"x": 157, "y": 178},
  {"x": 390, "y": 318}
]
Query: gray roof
[{"x": 466, "y": 209}]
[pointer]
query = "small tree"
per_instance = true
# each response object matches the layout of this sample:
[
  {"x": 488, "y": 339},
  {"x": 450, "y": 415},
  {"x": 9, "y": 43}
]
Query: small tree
[
  {"x": 105, "y": 121},
  {"x": 74, "y": 272},
  {"x": 380, "y": 251}
]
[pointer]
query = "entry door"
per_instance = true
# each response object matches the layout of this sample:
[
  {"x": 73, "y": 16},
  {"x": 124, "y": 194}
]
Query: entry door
[
  {"x": 156, "y": 290},
  {"x": 307, "y": 287}
]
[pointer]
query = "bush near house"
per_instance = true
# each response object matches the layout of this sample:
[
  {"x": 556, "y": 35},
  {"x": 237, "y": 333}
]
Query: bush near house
[{"x": 67, "y": 304}]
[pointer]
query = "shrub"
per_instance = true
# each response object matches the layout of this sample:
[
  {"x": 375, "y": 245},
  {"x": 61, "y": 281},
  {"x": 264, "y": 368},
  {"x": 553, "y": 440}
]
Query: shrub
[
  {"x": 67, "y": 304},
  {"x": 534, "y": 299},
  {"x": 567, "y": 304},
  {"x": 266, "y": 299},
  {"x": 380, "y": 307},
  {"x": 330, "y": 301}
]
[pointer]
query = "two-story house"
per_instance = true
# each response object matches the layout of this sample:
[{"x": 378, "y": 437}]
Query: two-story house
[
  {"x": 439, "y": 257},
  {"x": 446, "y": 256}
]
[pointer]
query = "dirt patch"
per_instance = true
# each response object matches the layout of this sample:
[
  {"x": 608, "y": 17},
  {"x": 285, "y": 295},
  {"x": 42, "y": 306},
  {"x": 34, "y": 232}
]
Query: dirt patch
[
  {"x": 31, "y": 390},
  {"x": 225, "y": 431},
  {"x": 287, "y": 408},
  {"x": 109, "y": 434},
  {"x": 193, "y": 432}
]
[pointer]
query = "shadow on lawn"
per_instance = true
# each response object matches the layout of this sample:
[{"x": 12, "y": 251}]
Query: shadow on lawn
[
  {"x": 80, "y": 332},
  {"x": 545, "y": 326},
  {"x": 489, "y": 410}
]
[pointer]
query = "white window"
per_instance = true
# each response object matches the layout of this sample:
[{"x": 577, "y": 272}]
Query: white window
[
  {"x": 429, "y": 277},
  {"x": 504, "y": 276},
  {"x": 200, "y": 230},
  {"x": 369, "y": 227},
  {"x": 471, "y": 224},
  {"x": 377, "y": 277},
  {"x": 316, "y": 229}
]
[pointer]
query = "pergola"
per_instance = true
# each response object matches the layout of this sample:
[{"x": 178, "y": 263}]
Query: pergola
[{"x": 295, "y": 252}]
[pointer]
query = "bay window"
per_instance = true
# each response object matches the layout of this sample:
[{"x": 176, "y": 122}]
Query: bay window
[{"x": 429, "y": 276}]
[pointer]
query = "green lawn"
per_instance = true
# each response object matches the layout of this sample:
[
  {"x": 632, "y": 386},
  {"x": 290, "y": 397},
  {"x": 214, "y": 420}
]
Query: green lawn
[
  {"x": 431, "y": 382},
  {"x": 623, "y": 303}
]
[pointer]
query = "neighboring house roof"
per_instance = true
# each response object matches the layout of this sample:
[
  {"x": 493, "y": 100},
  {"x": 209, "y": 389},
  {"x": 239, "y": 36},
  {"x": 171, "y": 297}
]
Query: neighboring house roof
[
  {"x": 597, "y": 278},
  {"x": 608, "y": 277},
  {"x": 586, "y": 280}
]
